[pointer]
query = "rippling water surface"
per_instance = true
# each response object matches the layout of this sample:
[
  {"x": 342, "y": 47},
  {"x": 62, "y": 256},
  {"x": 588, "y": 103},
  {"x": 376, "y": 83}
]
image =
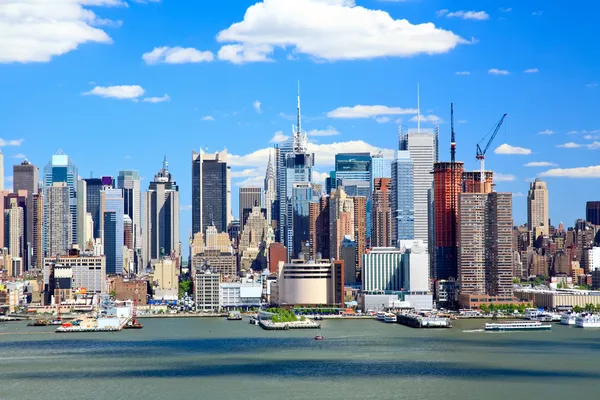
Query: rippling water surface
[{"x": 200, "y": 358}]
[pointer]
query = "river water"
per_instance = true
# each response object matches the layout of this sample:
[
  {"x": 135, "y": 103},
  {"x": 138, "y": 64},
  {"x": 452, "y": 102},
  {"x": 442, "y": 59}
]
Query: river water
[{"x": 208, "y": 358}]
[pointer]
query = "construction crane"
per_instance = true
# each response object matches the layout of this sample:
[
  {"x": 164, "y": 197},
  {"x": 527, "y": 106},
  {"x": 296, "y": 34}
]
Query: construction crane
[{"x": 481, "y": 153}]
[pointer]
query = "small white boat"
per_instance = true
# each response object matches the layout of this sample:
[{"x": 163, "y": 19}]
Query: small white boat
[
  {"x": 389, "y": 317},
  {"x": 568, "y": 318},
  {"x": 588, "y": 321},
  {"x": 510, "y": 326},
  {"x": 381, "y": 315}
]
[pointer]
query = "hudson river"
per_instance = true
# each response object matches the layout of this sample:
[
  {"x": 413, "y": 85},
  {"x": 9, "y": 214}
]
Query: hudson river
[{"x": 202, "y": 358}]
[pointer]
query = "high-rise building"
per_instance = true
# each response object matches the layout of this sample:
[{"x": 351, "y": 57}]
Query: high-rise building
[
  {"x": 112, "y": 231},
  {"x": 211, "y": 191},
  {"x": 538, "y": 221},
  {"x": 422, "y": 147},
  {"x": 82, "y": 234},
  {"x": 14, "y": 229},
  {"x": 592, "y": 212},
  {"x": 341, "y": 220},
  {"x": 301, "y": 198},
  {"x": 1, "y": 171},
  {"x": 37, "y": 249},
  {"x": 381, "y": 167},
  {"x": 348, "y": 251},
  {"x": 485, "y": 246},
  {"x": 92, "y": 203},
  {"x": 271, "y": 192},
  {"x": 382, "y": 216},
  {"x": 360, "y": 228},
  {"x": 255, "y": 239},
  {"x": 447, "y": 189},
  {"x": 160, "y": 221},
  {"x": 25, "y": 177},
  {"x": 214, "y": 250},
  {"x": 129, "y": 182},
  {"x": 249, "y": 198},
  {"x": 472, "y": 182},
  {"x": 319, "y": 229},
  {"x": 57, "y": 220},
  {"x": 403, "y": 196},
  {"x": 62, "y": 169}
]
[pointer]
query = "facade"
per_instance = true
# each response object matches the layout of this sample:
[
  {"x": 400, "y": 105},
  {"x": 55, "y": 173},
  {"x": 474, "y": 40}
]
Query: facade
[
  {"x": 165, "y": 279},
  {"x": 381, "y": 167},
  {"x": 403, "y": 196},
  {"x": 270, "y": 194},
  {"x": 348, "y": 252},
  {"x": 81, "y": 214},
  {"x": 447, "y": 189},
  {"x": 472, "y": 182},
  {"x": 26, "y": 177},
  {"x": 485, "y": 254},
  {"x": 341, "y": 220},
  {"x": 360, "y": 228},
  {"x": 57, "y": 220},
  {"x": 592, "y": 212},
  {"x": 211, "y": 191},
  {"x": 319, "y": 228},
  {"x": 593, "y": 259},
  {"x": 249, "y": 197},
  {"x": 538, "y": 221},
  {"x": 112, "y": 229},
  {"x": 14, "y": 229},
  {"x": 86, "y": 271},
  {"x": 382, "y": 270},
  {"x": 277, "y": 254},
  {"x": 215, "y": 252},
  {"x": 310, "y": 283},
  {"x": 207, "y": 291},
  {"x": 130, "y": 289},
  {"x": 254, "y": 243},
  {"x": 129, "y": 182},
  {"x": 93, "y": 188},
  {"x": 61, "y": 169},
  {"x": 382, "y": 216},
  {"x": 37, "y": 249},
  {"x": 160, "y": 223},
  {"x": 302, "y": 194},
  {"x": 553, "y": 299},
  {"x": 244, "y": 295}
]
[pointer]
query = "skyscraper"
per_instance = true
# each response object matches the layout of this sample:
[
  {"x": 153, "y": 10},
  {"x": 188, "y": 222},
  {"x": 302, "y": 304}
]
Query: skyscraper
[
  {"x": 249, "y": 198},
  {"x": 37, "y": 249},
  {"x": 160, "y": 221},
  {"x": 360, "y": 228},
  {"x": 592, "y": 212},
  {"x": 57, "y": 220},
  {"x": 1, "y": 170},
  {"x": 25, "y": 177},
  {"x": 129, "y": 182},
  {"x": 112, "y": 229},
  {"x": 341, "y": 220},
  {"x": 319, "y": 228},
  {"x": 447, "y": 189},
  {"x": 485, "y": 253},
  {"x": 271, "y": 192},
  {"x": 472, "y": 182},
  {"x": 92, "y": 203},
  {"x": 61, "y": 169},
  {"x": 402, "y": 197},
  {"x": 14, "y": 229},
  {"x": 82, "y": 227},
  {"x": 301, "y": 198},
  {"x": 538, "y": 222},
  {"x": 382, "y": 216},
  {"x": 211, "y": 191},
  {"x": 422, "y": 147},
  {"x": 381, "y": 167}
]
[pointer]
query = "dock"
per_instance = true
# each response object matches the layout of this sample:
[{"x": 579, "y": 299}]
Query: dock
[
  {"x": 419, "y": 321},
  {"x": 284, "y": 326}
]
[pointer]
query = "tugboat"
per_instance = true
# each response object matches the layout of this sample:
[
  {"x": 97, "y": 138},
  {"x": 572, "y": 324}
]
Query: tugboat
[
  {"x": 234, "y": 316},
  {"x": 39, "y": 322},
  {"x": 319, "y": 337},
  {"x": 133, "y": 324}
]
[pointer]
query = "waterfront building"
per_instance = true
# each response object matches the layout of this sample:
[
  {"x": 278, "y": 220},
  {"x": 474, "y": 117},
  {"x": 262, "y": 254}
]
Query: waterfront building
[
  {"x": 309, "y": 283},
  {"x": 130, "y": 289},
  {"x": 240, "y": 295},
  {"x": 403, "y": 196},
  {"x": 160, "y": 222},
  {"x": 211, "y": 191},
  {"x": 129, "y": 182},
  {"x": 86, "y": 272},
  {"x": 592, "y": 212},
  {"x": 485, "y": 245},
  {"x": 447, "y": 188},
  {"x": 59, "y": 170},
  {"x": 557, "y": 299},
  {"x": 250, "y": 196},
  {"x": 270, "y": 194},
  {"x": 382, "y": 269},
  {"x": 207, "y": 291},
  {"x": 165, "y": 279},
  {"x": 112, "y": 229},
  {"x": 538, "y": 221},
  {"x": 57, "y": 220},
  {"x": 382, "y": 216}
]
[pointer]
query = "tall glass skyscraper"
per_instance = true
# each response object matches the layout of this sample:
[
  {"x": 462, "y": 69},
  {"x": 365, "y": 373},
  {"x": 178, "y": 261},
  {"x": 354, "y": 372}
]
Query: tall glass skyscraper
[
  {"x": 113, "y": 237},
  {"x": 211, "y": 191},
  {"x": 61, "y": 169},
  {"x": 381, "y": 167},
  {"x": 302, "y": 196},
  {"x": 93, "y": 188},
  {"x": 402, "y": 196},
  {"x": 129, "y": 182}
]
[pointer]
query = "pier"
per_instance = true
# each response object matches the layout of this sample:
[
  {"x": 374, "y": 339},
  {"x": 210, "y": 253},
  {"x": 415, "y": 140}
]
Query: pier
[
  {"x": 284, "y": 326},
  {"x": 418, "y": 321}
]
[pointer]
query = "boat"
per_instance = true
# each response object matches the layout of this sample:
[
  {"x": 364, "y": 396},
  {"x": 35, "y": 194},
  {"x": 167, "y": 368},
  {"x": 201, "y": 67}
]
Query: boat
[
  {"x": 318, "y": 318},
  {"x": 133, "y": 324},
  {"x": 56, "y": 321},
  {"x": 568, "y": 318},
  {"x": 380, "y": 315},
  {"x": 39, "y": 322},
  {"x": 517, "y": 326},
  {"x": 389, "y": 317},
  {"x": 532, "y": 314},
  {"x": 234, "y": 316},
  {"x": 319, "y": 337},
  {"x": 588, "y": 321}
]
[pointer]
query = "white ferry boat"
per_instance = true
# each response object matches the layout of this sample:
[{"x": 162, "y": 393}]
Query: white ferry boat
[
  {"x": 587, "y": 321},
  {"x": 568, "y": 318},
  {"x": 381, "y": 315},
  {"x": 532, "y": 314},
  {"x": 517, "y": 326},
  {"x": 389, "y": 317}
]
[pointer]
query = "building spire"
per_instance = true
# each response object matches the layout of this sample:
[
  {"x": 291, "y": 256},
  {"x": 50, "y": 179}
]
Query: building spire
[
  {"x": 418, "y": 109},
  {"x": 299, "y": 126},
  {"x": 165, "y": 164}
]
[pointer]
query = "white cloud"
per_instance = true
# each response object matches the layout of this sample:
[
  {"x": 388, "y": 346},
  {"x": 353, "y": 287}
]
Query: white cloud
[
  {"x": 519, "y": 194},
  {"x": 504, "y": 177},
  {"x": 252, "y": 181},
  {"x": 157, "y": 99},
  {"x": 127, "y": 157},
  {"x": 360, "y": 111},
  {"x": 256, "y": 106},
  {"x": 208, "y": 118},
  {"x": 463, "y": 73},
  {"x": 104, "y": 3},
  {"x": 328, "y": 30},
  {"x": 330, "y": 131},
  {"x": 495, "y": 71},
  {"x": 572, "y": 133},
  {"x": 244, "y": 173},
  {"x": 475, "y": 15},
  {"x": 146, "y": 1},
  {"x": 11, "y": 142},
  {"x": 546, "y": 132},
  {"x": 177, "y": 55},
  {"x": 537, "y": 13},
  {"x": 117, "y": 92},
  {"x": 19, "y": 156},
  {"x": 579, "y": 172},
  {"x": 382, "y": 120},
  {"x": 593, "y": 146},
  {"x": 569, "y": 145},
  {"x": 505, "y": 10},
  {"x": 319, "y": 177},
  {"x": 279, "y": 137},
  {"x": 532, "y": 71},
  {"x": 590, "y": 85},
  {"x": 462, "y": 121},
  {"x": 590, "y": 137},
  {"x": 540, "y": 164},
  {"x": 434, "y": 119},
  {"x": 186, "y": 207},
  {"x": 512, "y": 150}
]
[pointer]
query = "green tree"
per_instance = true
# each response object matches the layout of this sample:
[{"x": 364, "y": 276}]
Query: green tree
[
  {"x": 185, "y": 287},
  {"x": 516, "y": 280},
  {"x": 484, "y": 308},
  {"x": 577, "y": 309}
]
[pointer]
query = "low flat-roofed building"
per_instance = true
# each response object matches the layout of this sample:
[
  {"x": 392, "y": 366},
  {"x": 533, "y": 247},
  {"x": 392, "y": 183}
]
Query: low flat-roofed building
[
  {"x": 207, "y": 291},
  {"x": 243, "y": 295},
  {"x": 318, "y": 282},
  {"x": 88, "y": 271},
  {"x": 561, "y": 298}
]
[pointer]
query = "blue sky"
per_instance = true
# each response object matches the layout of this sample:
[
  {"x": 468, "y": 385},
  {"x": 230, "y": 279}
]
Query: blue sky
[{"x": 118, "y": 84}]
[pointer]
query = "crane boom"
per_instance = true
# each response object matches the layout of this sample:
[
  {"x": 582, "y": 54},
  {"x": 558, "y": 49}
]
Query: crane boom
[{"x": 481, "y": 153}]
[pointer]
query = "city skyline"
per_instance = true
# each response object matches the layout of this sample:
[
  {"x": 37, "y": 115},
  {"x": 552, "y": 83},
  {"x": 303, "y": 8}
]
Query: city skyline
[{"x": 479, "y": 78}]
